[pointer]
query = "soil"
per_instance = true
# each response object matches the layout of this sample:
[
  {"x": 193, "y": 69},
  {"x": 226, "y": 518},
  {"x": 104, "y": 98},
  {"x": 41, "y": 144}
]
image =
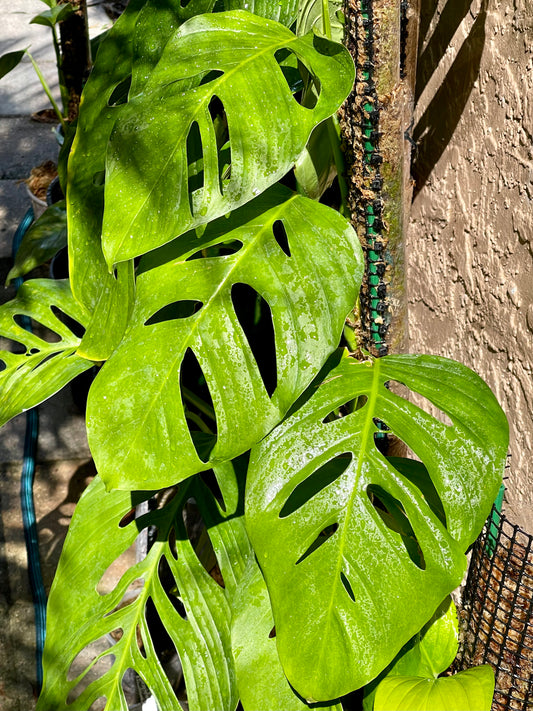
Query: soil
[{"x": 40, "y": 178}]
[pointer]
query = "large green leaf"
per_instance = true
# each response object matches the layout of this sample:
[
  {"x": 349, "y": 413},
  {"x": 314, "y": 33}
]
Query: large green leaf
[
  {"x": 260, "y": 678},
  {"x": 125, "y": 52},
  {"x": 353, "y": 555},
  {"x": 137, "y": 426},
  {"x": 470, "y": 690},
  {"x": 150, "y": 195},
  {"x": 172, "y": 585},
  {"x": 46, "y": 362}
]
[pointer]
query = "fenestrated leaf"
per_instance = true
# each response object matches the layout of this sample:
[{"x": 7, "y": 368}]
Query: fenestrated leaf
[
  {"x": 137, "y": 426},
  {"x": 121, "y": 53},
  {"x": 148, "y": 196},
  {"x": 44, "y": 364},
  {"x": 351, "y": 551},
  {"x": 190, "y": 604},
  {"x": 470, "y": 690},
  {"x": 42, "y": 241}
]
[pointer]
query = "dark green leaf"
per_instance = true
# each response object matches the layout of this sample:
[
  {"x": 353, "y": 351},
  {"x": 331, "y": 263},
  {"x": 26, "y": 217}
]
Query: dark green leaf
[
  {"x": 10, "y": 60},
  {"x": 42, "y": 241},
  {"x": 50, "y": 18}
]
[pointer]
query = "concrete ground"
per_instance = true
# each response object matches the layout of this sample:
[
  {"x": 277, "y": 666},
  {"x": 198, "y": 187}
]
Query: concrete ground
[{"x": 64, "y": 465}]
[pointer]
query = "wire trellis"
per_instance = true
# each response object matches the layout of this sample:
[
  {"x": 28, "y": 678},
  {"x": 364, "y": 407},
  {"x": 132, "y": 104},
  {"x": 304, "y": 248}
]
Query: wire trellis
[{"x": 497, "y": 614}]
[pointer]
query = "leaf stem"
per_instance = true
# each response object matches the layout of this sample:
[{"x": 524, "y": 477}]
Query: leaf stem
[
  {"x": 48, "y": 92},
  {"x": 197, "y": 402},
  {"x": 334, "y": 133},
  {"x": 326, "y": 23},
  {"x": 193, "y": 417}
]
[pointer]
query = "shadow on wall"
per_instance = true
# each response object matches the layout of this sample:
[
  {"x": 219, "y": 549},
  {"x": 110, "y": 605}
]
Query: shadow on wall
[{"x": 436, "y": 126}]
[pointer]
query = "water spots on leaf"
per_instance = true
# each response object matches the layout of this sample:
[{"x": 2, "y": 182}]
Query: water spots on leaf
[
  {"x": 420, "y": 401},
  {"x": 280, "y": 235},
  {"x": 175, "y": 311},
  {"x": 255, "y": 318},
  {"x": 316, "y": 482},
  {"x": 394, "y": 516}
]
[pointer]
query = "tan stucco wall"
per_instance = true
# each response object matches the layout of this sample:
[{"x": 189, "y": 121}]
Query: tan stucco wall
[{"x": 469, "y": 248}]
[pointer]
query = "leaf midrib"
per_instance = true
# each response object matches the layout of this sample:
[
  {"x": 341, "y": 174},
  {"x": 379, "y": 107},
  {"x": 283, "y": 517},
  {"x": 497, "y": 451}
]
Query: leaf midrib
[{"x": 365, "y": 437}]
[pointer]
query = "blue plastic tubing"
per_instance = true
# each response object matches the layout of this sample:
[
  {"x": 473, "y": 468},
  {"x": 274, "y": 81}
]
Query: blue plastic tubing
[{"x": 26, "y": 496}]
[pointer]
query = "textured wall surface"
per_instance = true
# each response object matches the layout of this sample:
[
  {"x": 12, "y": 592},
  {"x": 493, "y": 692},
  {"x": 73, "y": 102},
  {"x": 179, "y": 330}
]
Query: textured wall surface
[{"x": 470, "y": 242}]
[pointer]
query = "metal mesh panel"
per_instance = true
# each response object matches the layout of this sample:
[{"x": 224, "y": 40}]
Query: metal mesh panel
[{"x": 497, "y": 614}]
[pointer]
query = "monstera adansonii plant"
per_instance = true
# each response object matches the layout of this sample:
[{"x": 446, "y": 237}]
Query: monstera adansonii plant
[{"x": 290, "y": 560}]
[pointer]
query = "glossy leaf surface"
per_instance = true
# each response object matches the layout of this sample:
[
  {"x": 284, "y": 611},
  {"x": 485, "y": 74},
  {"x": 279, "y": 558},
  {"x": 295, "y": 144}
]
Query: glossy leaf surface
[
  {"x": 45, "y": 362},
  {"x": 470, "y": 690},
  {"x": 122, "y": 55},
  {"x": 139, "y": 436},
  {"x": 351, "y": 551},
  {"x": 260, "y": 678},
  {"x": 150, "y": 196},
  {"x": 170, "y": 584}
]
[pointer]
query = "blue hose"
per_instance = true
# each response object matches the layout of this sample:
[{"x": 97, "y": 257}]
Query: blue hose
[{"x": 26, "y": 496}]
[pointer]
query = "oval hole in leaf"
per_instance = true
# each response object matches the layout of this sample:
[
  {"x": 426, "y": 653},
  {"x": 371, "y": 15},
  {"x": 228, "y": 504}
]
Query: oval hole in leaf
[
  {"x": 77, "y": 329},
  {"x": 84, "y": 658},
  {"x": 220, "y": 126},
  {"x": 163, "y": 644},
  {"x": 322, "y": 537},
  {"x": 346, "y": 409},
  {"x": 108, "y": 581},
  {"x": 302, "y": 83},
  {"x": 211, "y": 76},
  {"x": 120, "y": 93},
  {"x": 255, "y": 318},
  {"x": 420, "y": 401},
  {"x": 347, "y": 586},
  {"x": 280, "y": 235},
  {"x": 99, "y": 178},
  {"x": 393, "y": 515},
  {"x": 3, "y": 365},
  {"x": 197, "y": 401},
  {"x": 195, "y": 162},
  {"x": 272, "y": 633},
  {"x": 222, "y": 249},
  {"x": 313, "y": 484},
  {"x": 131, "y": 593},
  {"x": 175, "y": 311}
]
